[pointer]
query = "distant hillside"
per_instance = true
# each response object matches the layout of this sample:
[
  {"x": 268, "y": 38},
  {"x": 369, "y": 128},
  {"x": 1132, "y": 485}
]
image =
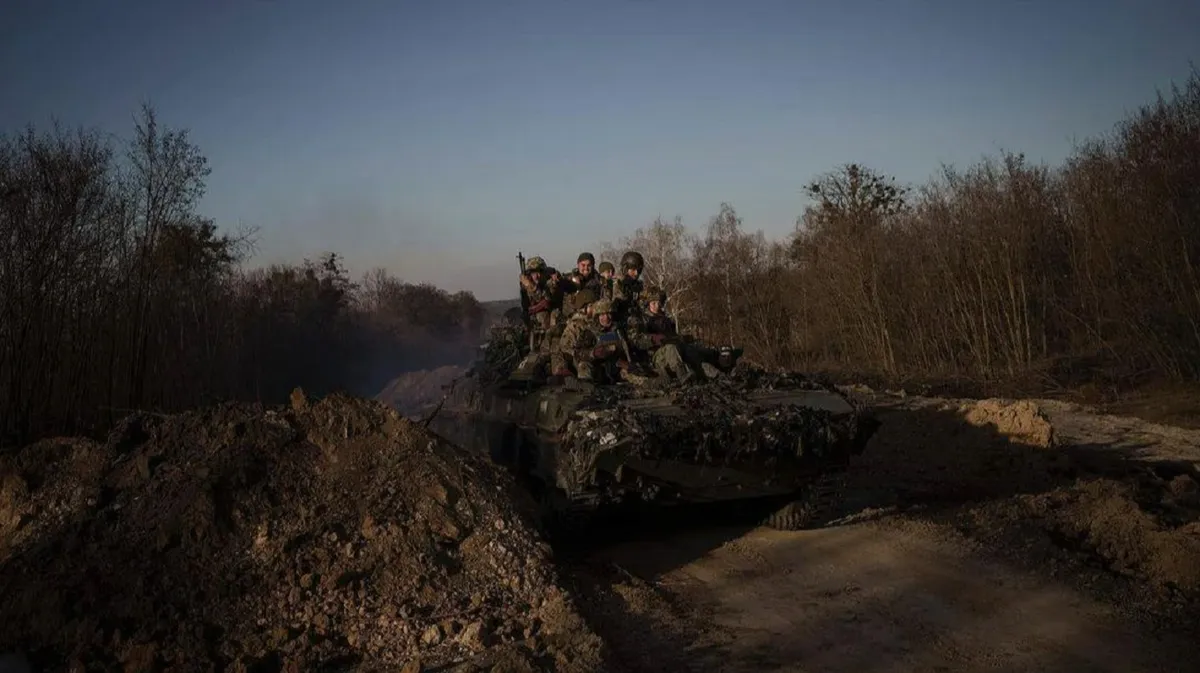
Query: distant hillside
[{"x": 499, "y": 306}]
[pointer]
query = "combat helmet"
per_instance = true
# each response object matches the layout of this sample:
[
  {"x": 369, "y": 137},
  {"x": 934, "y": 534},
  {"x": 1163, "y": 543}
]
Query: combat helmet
[
  {"x": 581, "y": 299},
  {"x": 602, "y": 306},
  {"x": 535, "y": 263},
  {"x": 632, "y": 260},
  {"x": 606, "y": 266},
  {"x": 654, "y": 293}
]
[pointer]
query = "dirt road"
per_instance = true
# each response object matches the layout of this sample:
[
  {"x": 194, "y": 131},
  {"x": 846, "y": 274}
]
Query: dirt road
[
  {"x": 869, "y": 598},
  {"x": 1051, "y": 561}
]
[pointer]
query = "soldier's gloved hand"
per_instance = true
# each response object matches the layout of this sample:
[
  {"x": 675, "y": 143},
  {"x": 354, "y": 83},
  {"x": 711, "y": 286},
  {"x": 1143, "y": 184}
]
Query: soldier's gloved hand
[{"x": 539, "y": 307}]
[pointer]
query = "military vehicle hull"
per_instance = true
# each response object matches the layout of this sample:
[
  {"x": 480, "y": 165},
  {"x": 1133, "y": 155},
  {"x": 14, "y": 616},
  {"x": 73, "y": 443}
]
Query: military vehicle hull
[{"x": 583, "y": 450}]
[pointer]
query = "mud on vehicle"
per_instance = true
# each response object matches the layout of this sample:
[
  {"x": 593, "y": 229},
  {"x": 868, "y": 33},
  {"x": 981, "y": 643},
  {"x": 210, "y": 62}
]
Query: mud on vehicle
[{"x": 779, "y": 440}]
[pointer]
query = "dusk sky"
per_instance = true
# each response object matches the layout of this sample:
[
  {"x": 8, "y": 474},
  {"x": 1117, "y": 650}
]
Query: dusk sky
[{"x": 438, "y": 138}]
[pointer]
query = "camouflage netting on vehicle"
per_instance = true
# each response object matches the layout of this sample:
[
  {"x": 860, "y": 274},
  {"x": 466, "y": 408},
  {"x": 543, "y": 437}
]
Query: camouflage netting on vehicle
[
  {"x": 719, "y": 423},
  {"x": 506, "y": 345}
]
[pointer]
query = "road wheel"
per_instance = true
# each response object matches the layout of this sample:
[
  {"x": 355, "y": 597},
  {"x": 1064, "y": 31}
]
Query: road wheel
[{"x": 816, "y": 507}]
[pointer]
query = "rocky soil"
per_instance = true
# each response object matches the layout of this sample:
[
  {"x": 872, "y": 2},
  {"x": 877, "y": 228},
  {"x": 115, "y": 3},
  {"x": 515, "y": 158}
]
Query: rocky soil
[{"x": 328, "y": 535}]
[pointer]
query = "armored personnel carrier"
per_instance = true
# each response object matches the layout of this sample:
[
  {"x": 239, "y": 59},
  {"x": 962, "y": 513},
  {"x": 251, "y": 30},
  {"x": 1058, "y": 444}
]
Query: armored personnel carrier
[{"x": 747, "y": 435}]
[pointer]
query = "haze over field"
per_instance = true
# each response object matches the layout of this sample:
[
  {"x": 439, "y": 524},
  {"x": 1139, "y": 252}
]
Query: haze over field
[{"x": 437, "y": 138}]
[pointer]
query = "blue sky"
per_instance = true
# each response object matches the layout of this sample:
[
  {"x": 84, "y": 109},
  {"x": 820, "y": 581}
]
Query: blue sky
[{"x": 437, "y": 138}]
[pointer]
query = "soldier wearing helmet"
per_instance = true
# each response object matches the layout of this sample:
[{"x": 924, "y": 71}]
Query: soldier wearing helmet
[
  {"x": 534, "y": 286},
  {"x": 577, "y": 308},
  {"x": 627, "y": 287},
  {"x": 579, "y": 302},
  {"x": 540, "y": 295},
  {"x": 607, "y": 271},
  {"x": 555, "y": 285},
  {"x": 654, "y": 332},
  {"x": 655, "y": 314},
  {"x": 591, "y": 343}
]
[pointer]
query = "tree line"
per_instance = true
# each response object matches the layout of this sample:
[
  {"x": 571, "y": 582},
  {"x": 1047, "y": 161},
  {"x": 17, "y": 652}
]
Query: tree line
[
  {"x": 1004, "y": 274},
  {"x": 116, "y": 294}
]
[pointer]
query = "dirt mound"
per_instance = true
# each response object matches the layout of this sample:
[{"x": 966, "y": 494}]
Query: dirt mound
[
  {"x": 414, "y": 394},
  {"x": 1082, "y": 499},
  {"x": 1020, "y": 421},
  {"x": 932, "y": 449},
  {"x": 1144, "y": 527},
  {"x": 325, "y": 536}
]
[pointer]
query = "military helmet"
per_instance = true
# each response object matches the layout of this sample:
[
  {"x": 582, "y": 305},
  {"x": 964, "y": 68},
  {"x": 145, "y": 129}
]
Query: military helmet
[
  {"x": 606, "y": 266},
  {"x": 586, "y": 255},
  {"x": 631, "y": 260},
  {"x": 535, "y": 264},
  {"x": 654, "y": 293},
  {"x": 580, "y": 299},
  {"x": 602, "y": 306}
]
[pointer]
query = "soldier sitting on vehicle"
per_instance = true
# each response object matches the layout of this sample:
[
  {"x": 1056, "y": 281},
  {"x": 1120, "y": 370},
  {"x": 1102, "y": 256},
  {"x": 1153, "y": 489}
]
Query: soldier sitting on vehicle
[
  {"x": 578, "y": 316},
  {"x": 627, "y": 287},
  {"x": 584, "y": 275},
  {"x": 654, "y": 332},
  {"x": 539, "y": 292},
  {"x": 594, "y": 345},
  {"x": 606, "y": 279}
]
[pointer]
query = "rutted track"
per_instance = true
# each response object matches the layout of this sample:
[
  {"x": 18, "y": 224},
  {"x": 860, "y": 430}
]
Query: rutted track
[{"x": 869, "y": 598}]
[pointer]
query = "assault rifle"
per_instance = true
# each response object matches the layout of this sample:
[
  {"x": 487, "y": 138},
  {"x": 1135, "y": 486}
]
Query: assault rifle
[{"x": 525, "y": 317}]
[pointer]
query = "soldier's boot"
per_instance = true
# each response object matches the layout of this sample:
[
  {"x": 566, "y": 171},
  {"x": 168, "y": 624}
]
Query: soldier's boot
[
  {"x": 632, "y": 375},
  {"x": 685, "y": 375},
  {"x": 669, "y": 363}
]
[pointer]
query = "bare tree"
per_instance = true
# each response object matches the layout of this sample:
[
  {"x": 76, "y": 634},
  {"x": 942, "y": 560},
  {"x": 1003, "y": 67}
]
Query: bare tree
[
  {"x": 166, "y": 181},
  {"x": 841, "y": 235},
  {"x": 115, "y": 292},
  {"x": 667, "y": 250}
]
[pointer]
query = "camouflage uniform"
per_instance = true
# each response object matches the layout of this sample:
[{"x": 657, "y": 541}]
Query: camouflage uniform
[
  {"x": 544, "y": 301},
  {"x": 576, "y": 316},
  {"x": 606, "y": 282},
  {"x": 627, "y": 294},
  {"x": 588, "y": 342},
  {"x": 647, "y": 332},
  {"x": 576, "y": 282},
  {"x": 627, "y": 287},
  {"x": 556, "y": 285}
]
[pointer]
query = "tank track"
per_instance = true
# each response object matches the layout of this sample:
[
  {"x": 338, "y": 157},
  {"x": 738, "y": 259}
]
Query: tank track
[
  {"x": 563, "y": 517},
  {"x": 818, "y": 504}
]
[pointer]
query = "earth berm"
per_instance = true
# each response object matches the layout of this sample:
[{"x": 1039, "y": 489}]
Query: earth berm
[{"x": 324, "y": 535}]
